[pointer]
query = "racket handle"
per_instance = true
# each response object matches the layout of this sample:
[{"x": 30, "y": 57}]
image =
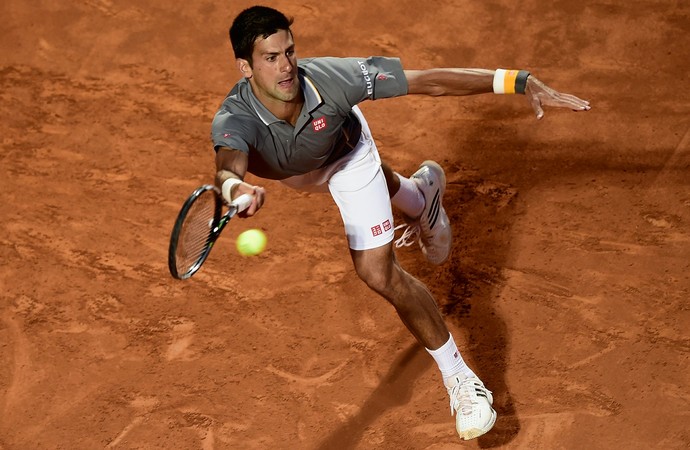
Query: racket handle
[{"x": 242, "y": 202}]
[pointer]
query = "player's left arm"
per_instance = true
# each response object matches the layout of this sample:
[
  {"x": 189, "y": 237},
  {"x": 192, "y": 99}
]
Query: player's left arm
[{"x": 458, "y": 82}]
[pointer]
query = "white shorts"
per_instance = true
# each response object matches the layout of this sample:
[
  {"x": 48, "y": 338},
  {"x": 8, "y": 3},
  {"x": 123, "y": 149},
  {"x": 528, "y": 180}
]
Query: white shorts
[{"x": 359, "y": 188}]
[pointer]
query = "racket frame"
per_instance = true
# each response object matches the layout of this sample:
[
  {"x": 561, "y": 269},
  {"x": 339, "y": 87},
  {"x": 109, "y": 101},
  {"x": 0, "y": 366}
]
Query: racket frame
[{"x": 220, "y": 220}]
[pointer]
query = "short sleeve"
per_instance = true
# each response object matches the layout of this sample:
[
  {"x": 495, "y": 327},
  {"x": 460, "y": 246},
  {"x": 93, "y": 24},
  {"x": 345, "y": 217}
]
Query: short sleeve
[
  {"x": 387, "y": 76},
  {"x": 358, "y": 79},
  {"x": 228, "y": 130}
]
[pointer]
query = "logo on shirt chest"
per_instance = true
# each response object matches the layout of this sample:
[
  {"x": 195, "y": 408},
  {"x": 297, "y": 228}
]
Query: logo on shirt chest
[{"x": 319, "y": 124}]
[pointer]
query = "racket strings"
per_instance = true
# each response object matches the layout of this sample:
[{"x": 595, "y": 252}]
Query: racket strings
[{"x": 196, "y": 232}]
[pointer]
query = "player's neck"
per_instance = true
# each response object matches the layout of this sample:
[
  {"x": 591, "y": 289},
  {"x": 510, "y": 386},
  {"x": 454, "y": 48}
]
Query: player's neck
[{"x": 287, "y": 110}]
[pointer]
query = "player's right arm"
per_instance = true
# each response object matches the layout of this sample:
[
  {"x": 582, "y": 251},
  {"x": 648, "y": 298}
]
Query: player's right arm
[{"x": 232, "y": 164}]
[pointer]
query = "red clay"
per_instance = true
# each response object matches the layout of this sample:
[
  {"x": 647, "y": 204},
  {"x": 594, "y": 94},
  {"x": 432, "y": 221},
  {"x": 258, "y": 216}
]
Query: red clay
[{"x": 567, "y": 288}]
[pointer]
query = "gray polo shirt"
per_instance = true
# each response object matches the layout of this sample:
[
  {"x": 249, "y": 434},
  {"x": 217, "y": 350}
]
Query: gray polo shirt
[{"x": 326, "y": 128}]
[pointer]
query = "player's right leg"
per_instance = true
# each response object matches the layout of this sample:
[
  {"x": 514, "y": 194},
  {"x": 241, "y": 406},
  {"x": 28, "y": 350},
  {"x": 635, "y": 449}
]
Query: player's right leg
[{"x": 420, "y": 198}]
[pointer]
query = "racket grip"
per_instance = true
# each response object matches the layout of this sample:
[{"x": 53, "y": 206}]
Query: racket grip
[{"x": 242, "y": 202}]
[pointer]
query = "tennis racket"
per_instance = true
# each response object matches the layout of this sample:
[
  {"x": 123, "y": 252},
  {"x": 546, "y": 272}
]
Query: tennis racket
[{"x": 197, "y": 227}]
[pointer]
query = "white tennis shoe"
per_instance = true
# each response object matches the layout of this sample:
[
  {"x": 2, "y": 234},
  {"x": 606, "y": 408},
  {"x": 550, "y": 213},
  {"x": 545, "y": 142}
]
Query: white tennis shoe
[
  {"x": 470, "y": 402},
  {"x": 432, "y": 227}
]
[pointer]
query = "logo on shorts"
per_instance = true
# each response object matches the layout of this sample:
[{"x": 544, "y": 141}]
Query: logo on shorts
[
  {"x": 378, "y": 230},
  {"x": 381, "y": 77},
  {"x": 387, "y": 225},
  {"x": 319, "y": 124}
]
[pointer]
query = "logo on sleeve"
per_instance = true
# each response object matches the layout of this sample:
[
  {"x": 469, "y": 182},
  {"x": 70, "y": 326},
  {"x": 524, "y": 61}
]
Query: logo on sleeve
[
  {"x": 319, "y": 124},
  {"x": 367, "y": 77}
]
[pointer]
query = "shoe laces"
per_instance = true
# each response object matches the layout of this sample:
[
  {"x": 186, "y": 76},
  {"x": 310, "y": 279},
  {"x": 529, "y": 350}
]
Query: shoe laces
[
  {"x": 409, "y": 236},
  {"x": 461, "y": 398}
]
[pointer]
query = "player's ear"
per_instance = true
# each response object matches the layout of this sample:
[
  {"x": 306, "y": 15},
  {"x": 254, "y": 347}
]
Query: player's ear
[{"x": 244, "y": 67}]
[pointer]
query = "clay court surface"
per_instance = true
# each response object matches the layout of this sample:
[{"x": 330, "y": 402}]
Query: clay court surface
[{"x": 567, "y": 288}]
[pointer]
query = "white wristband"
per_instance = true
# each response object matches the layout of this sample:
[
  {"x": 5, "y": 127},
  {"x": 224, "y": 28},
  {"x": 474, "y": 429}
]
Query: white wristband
[
  {"x": 510, "y": 81},
  {"x": 499, "y": 81},
  {"x": 227, "y": 186}
]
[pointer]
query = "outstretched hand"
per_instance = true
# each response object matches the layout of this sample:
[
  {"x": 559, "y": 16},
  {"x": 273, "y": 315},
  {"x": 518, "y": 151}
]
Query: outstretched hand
[{"x": 540, "y": 95}]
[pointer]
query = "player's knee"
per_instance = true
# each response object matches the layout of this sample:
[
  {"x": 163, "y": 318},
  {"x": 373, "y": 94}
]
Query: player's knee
[
  {"x": 378, "y": 268},
  {"x": 377, "y": 277}
]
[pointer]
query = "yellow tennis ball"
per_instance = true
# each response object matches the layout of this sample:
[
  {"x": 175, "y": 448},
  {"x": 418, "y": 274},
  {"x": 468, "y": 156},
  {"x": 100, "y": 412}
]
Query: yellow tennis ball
[{"x": 251, "y": 242}]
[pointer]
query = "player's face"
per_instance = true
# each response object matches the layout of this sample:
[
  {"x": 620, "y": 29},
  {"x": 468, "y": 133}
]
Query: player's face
[{"x": 274, "y": 69}]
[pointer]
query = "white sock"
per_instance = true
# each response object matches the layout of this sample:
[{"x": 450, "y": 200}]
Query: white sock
[
  {"x": 450, "y": 361},
  {"x": 409, "y": 198}
]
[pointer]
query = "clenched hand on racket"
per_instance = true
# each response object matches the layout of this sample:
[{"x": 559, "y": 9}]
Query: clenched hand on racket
[{"x": 200, "y": 222}]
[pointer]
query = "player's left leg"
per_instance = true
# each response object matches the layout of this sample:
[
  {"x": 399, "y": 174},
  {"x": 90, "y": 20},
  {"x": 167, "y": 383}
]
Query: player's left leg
[
  {"x": 380, "y": 270},
  {"x": 470, "y": 401},
  {"x": 360, "y": 190}
]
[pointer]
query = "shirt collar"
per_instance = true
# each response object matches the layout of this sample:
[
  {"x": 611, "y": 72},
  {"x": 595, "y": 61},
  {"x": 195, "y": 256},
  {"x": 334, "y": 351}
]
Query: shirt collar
[
  {"x": 312, "y": 100},
  {"x": 264, "y": 114}
]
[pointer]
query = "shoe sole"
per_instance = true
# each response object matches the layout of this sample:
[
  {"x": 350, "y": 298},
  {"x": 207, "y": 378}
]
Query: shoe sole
[{"x": 476, "y": 432}]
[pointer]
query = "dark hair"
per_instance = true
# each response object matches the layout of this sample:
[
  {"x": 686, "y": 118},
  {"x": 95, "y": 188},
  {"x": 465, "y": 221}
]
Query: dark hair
[{"x": 253, "y": 23}]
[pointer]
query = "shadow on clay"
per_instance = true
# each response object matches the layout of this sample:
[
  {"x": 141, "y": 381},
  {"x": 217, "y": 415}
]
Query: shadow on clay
[{"x": 395, "y": 389}]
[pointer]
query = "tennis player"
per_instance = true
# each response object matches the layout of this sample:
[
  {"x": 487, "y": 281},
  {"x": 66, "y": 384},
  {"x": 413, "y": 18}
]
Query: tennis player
[{"x": 297, "y": 121}]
